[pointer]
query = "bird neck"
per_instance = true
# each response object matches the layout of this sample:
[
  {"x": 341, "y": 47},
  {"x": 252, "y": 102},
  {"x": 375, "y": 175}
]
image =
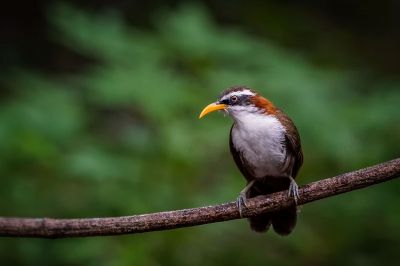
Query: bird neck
[
  {"x": 264, "y": 104},
  {"x": 253, "y": 120}
]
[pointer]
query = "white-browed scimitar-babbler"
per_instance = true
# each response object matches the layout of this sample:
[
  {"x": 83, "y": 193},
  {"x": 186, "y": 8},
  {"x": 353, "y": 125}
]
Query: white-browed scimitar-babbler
[{"x": 265, "y": 146}]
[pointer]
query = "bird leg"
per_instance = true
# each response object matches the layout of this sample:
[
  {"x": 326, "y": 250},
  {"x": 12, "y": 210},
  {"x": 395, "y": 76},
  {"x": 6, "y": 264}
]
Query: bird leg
[
  {"x": 293, "y": 189},
  {"x": 241, "y": 200}
]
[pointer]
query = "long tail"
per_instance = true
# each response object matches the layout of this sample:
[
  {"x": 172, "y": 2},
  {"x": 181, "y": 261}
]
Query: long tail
[{"x": 283, "y": 221}]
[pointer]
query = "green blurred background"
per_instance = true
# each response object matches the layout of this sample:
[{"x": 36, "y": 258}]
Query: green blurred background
[{"x": 98, "y": 117}]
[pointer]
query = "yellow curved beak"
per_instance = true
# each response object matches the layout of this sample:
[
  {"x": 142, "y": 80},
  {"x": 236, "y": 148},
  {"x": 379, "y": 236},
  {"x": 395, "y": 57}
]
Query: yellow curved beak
[{"x": 211, "y": 108}]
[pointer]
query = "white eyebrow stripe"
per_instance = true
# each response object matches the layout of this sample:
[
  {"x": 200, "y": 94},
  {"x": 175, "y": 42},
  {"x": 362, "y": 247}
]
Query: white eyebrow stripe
[{"x": 238, "y": 93}]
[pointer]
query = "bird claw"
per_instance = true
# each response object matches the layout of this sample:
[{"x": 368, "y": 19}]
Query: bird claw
[
  {"x": 241, "y": 199},
  {"x": 240, "y": 202},
  {"x": 293, "y": 190}
]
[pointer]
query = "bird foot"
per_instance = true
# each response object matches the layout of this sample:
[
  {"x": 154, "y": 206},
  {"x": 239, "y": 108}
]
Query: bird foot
[
  {"x": 240, "y": 202},
  {"x": 293, "y": 190},
  {"x": 241, "y": 199}
]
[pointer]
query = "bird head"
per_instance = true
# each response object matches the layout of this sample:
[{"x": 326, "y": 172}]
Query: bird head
[{"x": 239, "y": 100}]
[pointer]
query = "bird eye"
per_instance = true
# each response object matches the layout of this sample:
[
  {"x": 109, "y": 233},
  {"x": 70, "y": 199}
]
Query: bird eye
[{"x": 234, "y": 98}]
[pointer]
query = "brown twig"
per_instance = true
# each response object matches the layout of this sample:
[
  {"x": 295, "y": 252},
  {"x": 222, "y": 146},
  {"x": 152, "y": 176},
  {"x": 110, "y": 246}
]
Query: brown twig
[{"x": 59, "y": 228}]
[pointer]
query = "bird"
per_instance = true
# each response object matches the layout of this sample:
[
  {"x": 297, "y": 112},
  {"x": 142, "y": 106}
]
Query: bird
[{"x": 265, "y": 145}]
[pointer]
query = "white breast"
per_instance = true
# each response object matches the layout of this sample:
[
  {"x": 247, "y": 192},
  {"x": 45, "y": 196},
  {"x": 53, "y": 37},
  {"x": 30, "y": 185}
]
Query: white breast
[{"x": 260, "y": 139}]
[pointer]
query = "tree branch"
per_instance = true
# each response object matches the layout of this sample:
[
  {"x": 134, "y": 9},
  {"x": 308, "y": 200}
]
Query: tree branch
[{"x": 59, "y": 228}]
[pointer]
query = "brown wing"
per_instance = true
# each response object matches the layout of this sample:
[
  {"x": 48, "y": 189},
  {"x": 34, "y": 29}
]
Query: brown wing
[
  {"x": 292, "y": 142},
  {"x": 239, "y": 160}
]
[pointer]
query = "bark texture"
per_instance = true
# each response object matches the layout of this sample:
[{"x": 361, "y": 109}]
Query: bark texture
[{"x": 61, "y": 228}]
